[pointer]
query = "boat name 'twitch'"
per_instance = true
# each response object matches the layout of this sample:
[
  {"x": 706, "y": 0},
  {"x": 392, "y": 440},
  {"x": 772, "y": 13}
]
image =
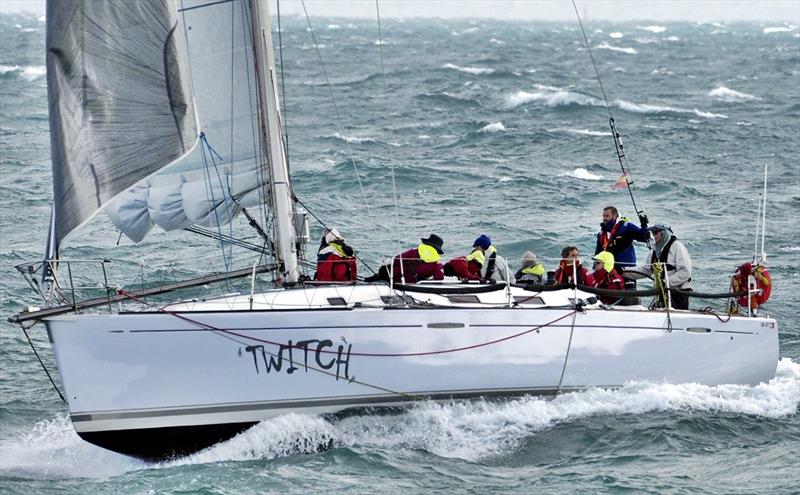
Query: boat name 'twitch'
[{"x": 274, "y": 361}]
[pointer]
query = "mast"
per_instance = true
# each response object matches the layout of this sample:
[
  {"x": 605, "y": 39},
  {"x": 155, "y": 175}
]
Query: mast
[{"x": 272, "y": 141}]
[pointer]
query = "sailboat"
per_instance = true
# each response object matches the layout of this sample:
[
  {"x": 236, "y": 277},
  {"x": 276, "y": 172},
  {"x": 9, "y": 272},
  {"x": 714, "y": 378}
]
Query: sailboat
[{"x": 140, "y": 122}]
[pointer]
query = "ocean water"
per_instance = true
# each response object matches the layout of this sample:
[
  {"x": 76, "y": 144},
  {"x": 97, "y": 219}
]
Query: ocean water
[{"x": 494, "y": 128}]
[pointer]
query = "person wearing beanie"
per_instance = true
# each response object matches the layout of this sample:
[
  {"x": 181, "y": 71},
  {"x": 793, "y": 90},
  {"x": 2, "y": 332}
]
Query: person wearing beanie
[
  {"x": 336, "y": 260},
  {"x": 532, "y": 272},
  {"x": 495, "y": 267},
  {"x": 415, "y": 265},
  {"x": 606, "y": 276}
]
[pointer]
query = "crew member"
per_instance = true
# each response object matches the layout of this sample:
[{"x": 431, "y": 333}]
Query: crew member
[
  {"x": 569, "y": 266},
  {"x": 416, "y": 264},
  {"x": 532, "y": 272},
  {"x": 466, "y": 267},
  {"x": 495, "y": 267},
  {"x": 606, "y": 276},
  {"x": 336, "y": 260},
  {"x": 617, "y": 235},
  {"x": 673, "y": 261}
]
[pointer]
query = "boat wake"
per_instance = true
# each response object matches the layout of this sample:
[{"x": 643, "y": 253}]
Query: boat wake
[{"x": 470, "y": 430}]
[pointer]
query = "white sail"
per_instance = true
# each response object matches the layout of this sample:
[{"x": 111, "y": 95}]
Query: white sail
[
  {"x": 223, "y": 173},
  {"x": 120, "y": 104}
]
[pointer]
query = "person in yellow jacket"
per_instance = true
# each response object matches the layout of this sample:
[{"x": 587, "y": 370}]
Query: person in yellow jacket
[{"x": 532, "y": 272}]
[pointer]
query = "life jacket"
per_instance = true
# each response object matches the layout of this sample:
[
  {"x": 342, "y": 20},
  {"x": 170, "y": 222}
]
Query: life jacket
[
  {"x": 537, "y": 270},
  {"x": 477, "y": 256},
  {"x": 608, "y": 280},
  {"x": 334, "y": 265},
  {"x": 491, "y": 259},
  {"x": 563, "y": 275},
  {"x": 428, "y": 254},
  {"x": 664, "y": 254},
  {"x": 740, "y": 280},
  {"x": 606, "y": 239}
]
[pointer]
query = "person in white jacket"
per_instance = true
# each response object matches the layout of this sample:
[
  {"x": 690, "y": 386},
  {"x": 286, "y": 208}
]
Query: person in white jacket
[{"x": 677, "y": 265}]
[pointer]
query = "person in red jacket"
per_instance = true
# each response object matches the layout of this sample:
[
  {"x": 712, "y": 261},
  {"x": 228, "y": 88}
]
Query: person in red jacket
[
  {"x": 466, "y": 267},
  {"x": 416, "y": 264},
  {"x": 606, "y": 276},
  {"x": 336, "y": 260},
  {"x": 570, "y": 256}
]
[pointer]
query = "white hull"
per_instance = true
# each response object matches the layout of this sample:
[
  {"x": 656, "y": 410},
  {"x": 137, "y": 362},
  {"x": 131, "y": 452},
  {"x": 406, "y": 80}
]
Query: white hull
[{"x": 142, "y": 371}]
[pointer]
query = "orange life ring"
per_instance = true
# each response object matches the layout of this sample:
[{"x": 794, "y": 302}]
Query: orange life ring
[{"x": 763, "y": 283}]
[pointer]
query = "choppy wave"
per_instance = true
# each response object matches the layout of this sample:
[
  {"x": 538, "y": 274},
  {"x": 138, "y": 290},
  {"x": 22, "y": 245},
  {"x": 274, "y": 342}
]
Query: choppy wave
[
  {"x": 554, "y": 97},
  {"x": 643, "y": 108},
  {"x": 29, "y": 72},
  {"x": 621, "y": 49},
  {"x": 778, "y": 29},
  {"x": 469, "y": 70},
  {"x": 550, "y": 96},
  {"x": 352, "y": 139},
  {"x": 652, "y": 29},
  {"x": 493, "y": 127},
  {"x": 616, "y": 35},
  {"x": 726, "y": 94},
  {"x": 581, "y": 173},
  {"x": 584, "y": 132},
  {"x": 470, "y": 430}
]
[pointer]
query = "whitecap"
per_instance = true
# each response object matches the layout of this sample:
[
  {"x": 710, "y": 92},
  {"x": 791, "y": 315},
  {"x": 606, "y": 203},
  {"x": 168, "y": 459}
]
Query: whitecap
[
  {"x": 726, "y": 94},
  {"x": 34, "y": 72},
  {"x": 497, "y": 41},
  {"x": 5, "y": 69},
  {"x": 551, "y": 97},
  {"x": 662, "y": 71},
  {"x": 672, "y": 38},
  {"x": 606, "y": 46},
  {"x": 334, "y": 26},
  {"x": 790, "y": 249},
  {"x": 493, "y": 127},
  {"x": 423, "y": 137},
  {"x": 42, "y": 18},
  {"x": 778, "y": 29},
  {"x": 644, "y": 108},
  {"x": 505, "y": 178},
  {"x": 653, "y": 29},
  {"x": 353, "y": 139},
  {"x": 744, "y": 124},
  {"x": 616, "y": 35},
  {"x": 469, "y": 70},
  {"x": 581, "y": 173},
  {"x": 584, "y": 132}
]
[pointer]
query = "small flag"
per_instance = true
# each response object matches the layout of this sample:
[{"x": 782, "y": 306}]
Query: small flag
[{"x": 621, "y": 183}]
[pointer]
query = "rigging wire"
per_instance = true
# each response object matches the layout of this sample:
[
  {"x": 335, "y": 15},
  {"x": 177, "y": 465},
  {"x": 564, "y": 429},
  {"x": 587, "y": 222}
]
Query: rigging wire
[
  {"x": 338, "y": 113},
  {"x": 324, "y": 226},
  {"x": 623, "y": 161},
  {"x": 283, "y": 88},
  {"x": 46, "y": 372},
  {"x": 386, "y": 104}
]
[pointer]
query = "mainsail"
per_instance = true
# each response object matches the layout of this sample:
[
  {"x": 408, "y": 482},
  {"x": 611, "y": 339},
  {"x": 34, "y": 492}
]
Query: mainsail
[
  {"x": 224, "y": 172},
  {"x": 120, "y": 102}
]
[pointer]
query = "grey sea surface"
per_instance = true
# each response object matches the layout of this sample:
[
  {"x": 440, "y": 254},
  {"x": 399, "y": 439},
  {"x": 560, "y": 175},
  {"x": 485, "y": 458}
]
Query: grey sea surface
[{"x": 491, "y": 127}]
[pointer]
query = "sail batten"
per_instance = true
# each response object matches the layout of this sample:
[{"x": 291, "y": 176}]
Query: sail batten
[{"x": 116, "y": 80}]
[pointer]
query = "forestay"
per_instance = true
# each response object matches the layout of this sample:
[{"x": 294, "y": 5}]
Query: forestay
[
  {"x": 223, "y": 173},
  {"x": 119, "y": 98}
]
